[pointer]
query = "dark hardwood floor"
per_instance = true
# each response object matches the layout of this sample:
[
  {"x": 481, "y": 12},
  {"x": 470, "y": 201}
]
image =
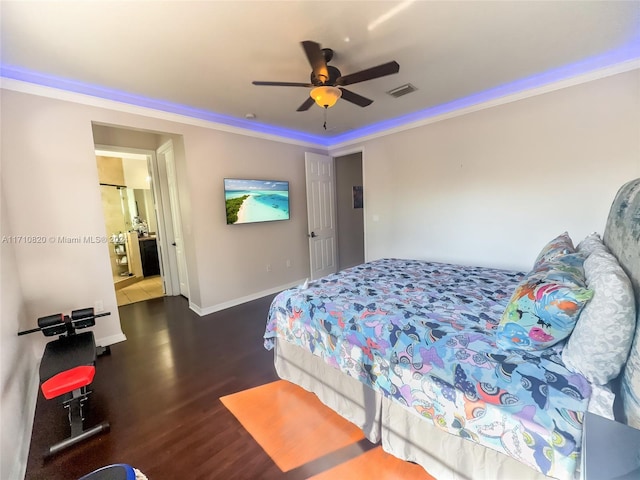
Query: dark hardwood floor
[{"x": 160, "y": 392}]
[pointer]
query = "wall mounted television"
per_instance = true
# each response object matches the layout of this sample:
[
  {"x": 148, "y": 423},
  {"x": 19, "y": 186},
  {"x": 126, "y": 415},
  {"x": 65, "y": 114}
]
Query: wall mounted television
[{"x": 251, "y": 201}]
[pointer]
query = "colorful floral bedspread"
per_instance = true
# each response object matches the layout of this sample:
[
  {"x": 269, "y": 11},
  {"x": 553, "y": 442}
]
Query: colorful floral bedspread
[{"x": 423, "y": 334}]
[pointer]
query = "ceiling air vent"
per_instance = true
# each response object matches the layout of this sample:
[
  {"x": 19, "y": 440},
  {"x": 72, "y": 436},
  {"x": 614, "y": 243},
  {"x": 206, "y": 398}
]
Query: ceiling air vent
[{"x": 402, "y": 90}]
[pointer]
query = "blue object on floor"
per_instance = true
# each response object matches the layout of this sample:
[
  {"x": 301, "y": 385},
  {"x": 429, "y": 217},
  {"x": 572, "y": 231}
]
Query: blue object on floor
[{"x": 118, "y": 471}]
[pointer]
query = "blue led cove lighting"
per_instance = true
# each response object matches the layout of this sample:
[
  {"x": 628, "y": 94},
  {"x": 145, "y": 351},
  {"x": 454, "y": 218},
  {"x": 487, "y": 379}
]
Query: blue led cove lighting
[
  {"x": 629, "y": 52},
  {"x": 24, "y": 75}
]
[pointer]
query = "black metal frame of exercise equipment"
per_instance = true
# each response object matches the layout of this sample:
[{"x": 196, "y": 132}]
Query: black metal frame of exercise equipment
[{"x": 69, "y": 351}]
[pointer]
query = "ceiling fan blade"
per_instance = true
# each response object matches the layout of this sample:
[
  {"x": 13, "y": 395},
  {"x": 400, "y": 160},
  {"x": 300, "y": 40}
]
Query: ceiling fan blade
[
  {"x": 369, "y": 74},
  {"x": 316, "y": 59},
  {"x": 283, "y": 84},
  {"x": 306, "y": 105},
  {"x": 359, "y": 100}
]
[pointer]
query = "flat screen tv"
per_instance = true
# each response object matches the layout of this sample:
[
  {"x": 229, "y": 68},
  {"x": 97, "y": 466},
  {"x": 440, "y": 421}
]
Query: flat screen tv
[{"x": 250, "y": 201}]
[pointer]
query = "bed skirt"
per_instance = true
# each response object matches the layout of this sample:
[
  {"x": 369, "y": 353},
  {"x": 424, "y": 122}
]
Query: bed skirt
[
  {"x": 401, "y": 431},
  {"x": 348, "y": 397}
]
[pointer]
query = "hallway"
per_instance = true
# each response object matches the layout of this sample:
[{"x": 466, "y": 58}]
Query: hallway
[{"x": 150, "y": 287}]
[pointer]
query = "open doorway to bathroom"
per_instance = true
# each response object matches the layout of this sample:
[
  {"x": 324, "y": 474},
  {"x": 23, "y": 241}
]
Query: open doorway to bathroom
[{"x": 126, "y": 188}]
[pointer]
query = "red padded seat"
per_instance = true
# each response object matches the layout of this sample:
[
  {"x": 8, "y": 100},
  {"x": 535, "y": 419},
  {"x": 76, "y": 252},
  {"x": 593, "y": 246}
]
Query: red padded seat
[{"x": 68, "y": 381}]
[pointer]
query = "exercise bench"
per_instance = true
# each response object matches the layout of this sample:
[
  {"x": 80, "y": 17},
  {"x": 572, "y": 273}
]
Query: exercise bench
[{"x": 67, "y": 369}]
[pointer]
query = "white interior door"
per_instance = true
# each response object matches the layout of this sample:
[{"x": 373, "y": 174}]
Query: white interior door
[
  {"x": 321, "y": 214},
  {"x": 165, "y": 153}
]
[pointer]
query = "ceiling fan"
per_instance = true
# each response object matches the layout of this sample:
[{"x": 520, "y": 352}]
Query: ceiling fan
[{"x": 328, "y": 82}]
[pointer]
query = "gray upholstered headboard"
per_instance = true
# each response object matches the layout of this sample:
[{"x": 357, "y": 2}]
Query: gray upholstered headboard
[
  {"x": 622, "y": 233},
  {"x": 622, "y": 236}
]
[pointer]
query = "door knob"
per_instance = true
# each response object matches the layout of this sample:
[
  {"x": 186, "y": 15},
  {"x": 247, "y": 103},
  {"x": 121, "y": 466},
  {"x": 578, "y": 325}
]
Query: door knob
[
  {"x": 173, "y": 243},
  {"x": 313, "y": 235}
]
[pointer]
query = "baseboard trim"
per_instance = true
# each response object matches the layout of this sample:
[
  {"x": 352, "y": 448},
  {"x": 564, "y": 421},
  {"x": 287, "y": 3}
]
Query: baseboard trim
[
  {"x": 110, "y": 340},
  {"x": 238, "y": 301}
]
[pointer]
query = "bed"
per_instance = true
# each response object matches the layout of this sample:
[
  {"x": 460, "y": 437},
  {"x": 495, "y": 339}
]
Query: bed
[{"x": 475, "y": 372}]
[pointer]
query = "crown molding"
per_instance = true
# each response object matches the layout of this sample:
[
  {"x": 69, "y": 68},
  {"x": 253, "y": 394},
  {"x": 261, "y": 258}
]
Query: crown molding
[
  {"x": 455, "y": 109},
  {"x": 276, "y": 134},
  {"x": 158, "y": 110}
]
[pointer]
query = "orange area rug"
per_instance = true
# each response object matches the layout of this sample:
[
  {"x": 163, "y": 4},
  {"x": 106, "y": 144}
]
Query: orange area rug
[
  {"x": 294, "y": 428},
  {"x": 378, "y": 464},
  {"x": 291, "y": 425}
]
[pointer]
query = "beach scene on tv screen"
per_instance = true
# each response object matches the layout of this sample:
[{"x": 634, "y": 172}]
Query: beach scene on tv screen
[{"x": 250, "y": 201}]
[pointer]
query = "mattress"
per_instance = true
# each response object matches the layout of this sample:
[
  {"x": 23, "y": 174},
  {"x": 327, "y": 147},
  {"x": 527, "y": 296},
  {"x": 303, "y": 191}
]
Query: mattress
[{"x": 421, "y": 334}]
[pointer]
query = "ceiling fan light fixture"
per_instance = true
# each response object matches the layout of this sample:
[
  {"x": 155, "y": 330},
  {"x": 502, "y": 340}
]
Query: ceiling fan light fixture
[{"x": 326, "y": 96}]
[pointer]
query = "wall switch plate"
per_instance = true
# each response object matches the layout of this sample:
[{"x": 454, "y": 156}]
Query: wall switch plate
[
  {"x": 268, "y": 267},
  {"x": 98, "y": 306}
]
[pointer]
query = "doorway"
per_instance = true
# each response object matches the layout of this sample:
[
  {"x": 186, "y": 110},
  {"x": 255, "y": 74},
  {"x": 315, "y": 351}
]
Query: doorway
[
  {"x": 335, "y": 212},
  {"x": 350, "y": 210},
  {"x": 126, "y": 188}
]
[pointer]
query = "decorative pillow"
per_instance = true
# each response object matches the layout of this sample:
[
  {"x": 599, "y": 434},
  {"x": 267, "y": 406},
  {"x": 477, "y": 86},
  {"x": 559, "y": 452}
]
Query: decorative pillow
[
  {"x": 591, "y": 243},
  {"x": 567, "y": 268},
  {"x": 600, "y": 342},
  {"x": 542, "y": 311},
  {"x": 561, "y": 245}
]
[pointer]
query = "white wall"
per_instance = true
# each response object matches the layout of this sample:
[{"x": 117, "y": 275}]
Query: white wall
[
  {"x": 18, "y": 363},
  {"x": 232, "y": 259},
  {"x": 226, "y": 263},
  {"x": 53, "y": 190},
  {"x": 136, "y": 173},
  {"x": 491, "y": 187}
]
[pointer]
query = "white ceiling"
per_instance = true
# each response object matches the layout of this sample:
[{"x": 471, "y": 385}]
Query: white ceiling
[{"x": 204, "y": 54}]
